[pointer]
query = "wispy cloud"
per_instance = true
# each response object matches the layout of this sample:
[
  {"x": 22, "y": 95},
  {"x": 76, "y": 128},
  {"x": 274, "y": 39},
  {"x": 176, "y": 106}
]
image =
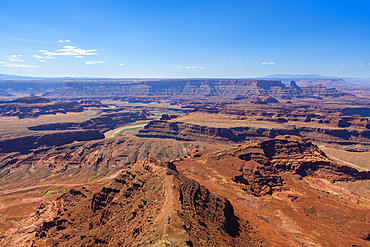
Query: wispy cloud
[
  {"x": 20, "y": 65},
  {"x": 189, "y": 67},
  {"x": 79, "y": 56},
  {"x": 43, "y": 61},
  {"x": 60, "y": 41},
  {"x": 94, "y": 62},
  {"x": 15, "y": 60},
  {"x": 45, "y": 57},
  {"x": 361, "y": 64},
  {"x": 69, "y": 51},
  {"x": 3, "y": 62},
  {"x": 15, "y": 56},
  {"x": 342, "y": 64},
  {"x": 67, "y": 40},
  {"x": 268, "y": 63},
  {"x": 239, "y": 69},
  {"x": 231, "y": 61}
]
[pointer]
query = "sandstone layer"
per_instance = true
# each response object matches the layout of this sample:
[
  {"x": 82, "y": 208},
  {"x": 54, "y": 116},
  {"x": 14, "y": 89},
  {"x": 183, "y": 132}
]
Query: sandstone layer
[
  {"x": 187, "y": 132},
  {"x": 103, "y": 123},
  {"x": 192, "y": 90},
  {"x": 25, "y": 143},
  {"x": 149, "y": 204}
]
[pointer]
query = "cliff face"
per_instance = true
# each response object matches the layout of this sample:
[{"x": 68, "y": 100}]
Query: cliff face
[
  {"x": 191, "y": 89},
  {"x": 23, "y": 144},
  {"x": 85, "y": 161},
  {"x": 148, "y": 204},
  {"x": 192, "y": 132},
  {"x": 332, "y": 117},
  {"x": 259, "y": 194},
  {"x": 103, "y": 123},
  {"x": 266, "y": 161},
  {"x": 34, "y": 106}
]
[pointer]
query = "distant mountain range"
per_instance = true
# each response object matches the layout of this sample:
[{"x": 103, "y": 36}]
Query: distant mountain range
[
  {"x": 274, "y": 76},
  {"x": 309, "y": 76}
]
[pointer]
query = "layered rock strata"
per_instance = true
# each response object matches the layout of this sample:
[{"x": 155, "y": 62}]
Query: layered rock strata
[
  {"x": 103, "y": 123},
  {"x": 148, "y": 204},
  {"x": 193, "y": 132},
  {"x": 25, "y": 143}
]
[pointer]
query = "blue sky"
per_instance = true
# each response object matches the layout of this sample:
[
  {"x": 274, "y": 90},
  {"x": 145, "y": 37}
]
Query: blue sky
[{"x": 192, "y": 39}]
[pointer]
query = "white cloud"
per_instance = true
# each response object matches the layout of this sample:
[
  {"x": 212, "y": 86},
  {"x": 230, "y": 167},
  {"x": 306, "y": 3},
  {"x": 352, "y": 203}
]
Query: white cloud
[
  {"x": 239, "y": 69},
  {"x": 15, "y": 56},
  {"x": 120, "y": 64},
  {"x": 15, "y": 60},
  {"x": 94, "y": 62},
  {"x": 43, "y": 61},
  {"x": 247, "y": 59},
  {"x": 67, "y": 40},
  {"x": 20, "y": 65},
  {"x": 60, "y": 41},
  {"x": 190, "y": 67},
  {"x": 3, "y": 62},
  {"x": 268, "y": 63},
  {"x": 79, "y": 56},
  {"x": 231, "y": 61},
  {"x": 342, "y": 64},
  {"x": 69, "y": 51},
  {"x": 41, "y": 57},
  {"x": 360, "y": 64}
]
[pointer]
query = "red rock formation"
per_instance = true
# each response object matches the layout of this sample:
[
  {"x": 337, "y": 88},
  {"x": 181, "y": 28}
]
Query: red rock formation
[
  {"x": 148, "y": 204},
  {"x": 103, "y": 123},
  {"x": 191, "y": 90},
  {"x": 25, "y": 143},
  {"x": 34, "y": 106},
  {"x": 191, "y": 132}
]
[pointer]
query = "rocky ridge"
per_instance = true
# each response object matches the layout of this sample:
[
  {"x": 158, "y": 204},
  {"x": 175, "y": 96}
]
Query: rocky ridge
[
  {"x": 270, "y": 189},
  {"x": 85, "y": 161},
  {"x": 136, "y": 209},
  {"x": 34, "y": 106},
  {"x": 192, "y": 89},
  {"x": 26, "y": 143},
  {"x": 103, "y": 123},
  {"x": 192, "y": 132},
  {"x": 266, "y": 161}
]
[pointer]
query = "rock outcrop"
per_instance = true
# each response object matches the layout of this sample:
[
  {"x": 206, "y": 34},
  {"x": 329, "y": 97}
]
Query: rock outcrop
[
  {"x": 190, "y": 90},
  {"x": 148, "y": 204},
  {"x": 266, "y": 162},
  {"x": 34, "y": 106},
  {"x": 103, "y": 123},
  {"x": 25, "y": 143},
  {"x": 85, "y": 161},
  {"x": 192, "y": 132}
]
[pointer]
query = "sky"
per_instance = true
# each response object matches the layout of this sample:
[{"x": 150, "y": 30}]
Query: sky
[{"x": 184, "y": 39}]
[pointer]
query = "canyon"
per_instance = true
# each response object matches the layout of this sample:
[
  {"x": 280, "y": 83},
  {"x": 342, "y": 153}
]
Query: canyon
[{"x": 199, "y": 162}]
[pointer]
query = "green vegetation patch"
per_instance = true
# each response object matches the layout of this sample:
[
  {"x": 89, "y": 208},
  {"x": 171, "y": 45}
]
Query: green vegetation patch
[
  {"x": 47, "y": 192},
  {"x": 124, "y": 130}
]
